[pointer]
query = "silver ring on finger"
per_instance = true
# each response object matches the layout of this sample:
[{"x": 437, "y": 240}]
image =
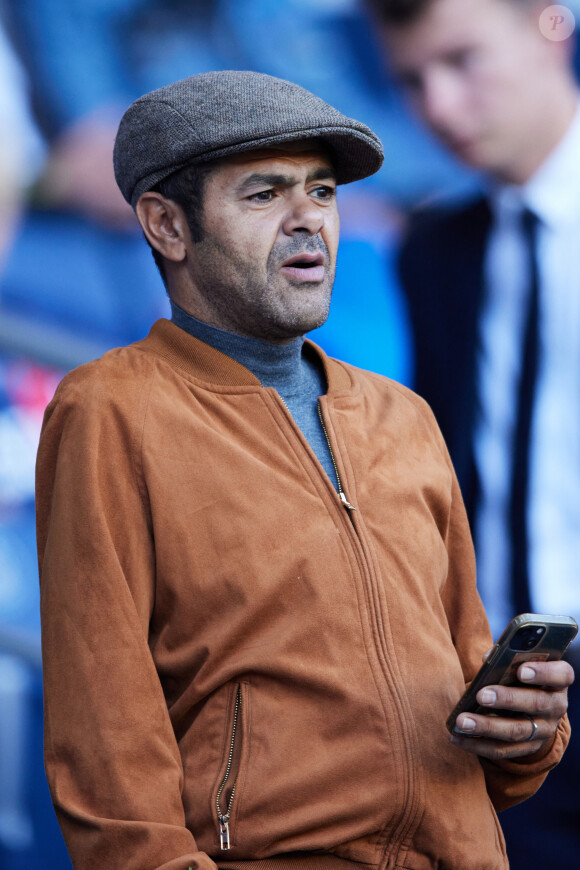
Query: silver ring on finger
[{"x": 534, "y": 728}]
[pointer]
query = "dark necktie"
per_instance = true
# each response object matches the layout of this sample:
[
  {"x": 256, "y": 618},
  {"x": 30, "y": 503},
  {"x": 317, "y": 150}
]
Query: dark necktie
[{"x": 521, "y": 445}]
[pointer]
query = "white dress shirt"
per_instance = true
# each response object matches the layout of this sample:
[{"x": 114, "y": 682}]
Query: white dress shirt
[{"x": 553, "y": 194}]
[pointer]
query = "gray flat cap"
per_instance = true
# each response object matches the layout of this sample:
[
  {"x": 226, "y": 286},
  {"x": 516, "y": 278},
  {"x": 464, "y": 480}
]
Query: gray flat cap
[{"x": 217, "y": 114}]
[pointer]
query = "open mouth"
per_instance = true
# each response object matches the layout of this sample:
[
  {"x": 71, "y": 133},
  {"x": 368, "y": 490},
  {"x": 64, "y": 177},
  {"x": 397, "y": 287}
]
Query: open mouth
[{"x": 305, "y": 267}]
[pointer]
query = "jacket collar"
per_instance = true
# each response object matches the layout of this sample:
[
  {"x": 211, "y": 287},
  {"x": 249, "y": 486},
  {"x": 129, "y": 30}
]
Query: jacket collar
[{"x": 211, "y": 366}]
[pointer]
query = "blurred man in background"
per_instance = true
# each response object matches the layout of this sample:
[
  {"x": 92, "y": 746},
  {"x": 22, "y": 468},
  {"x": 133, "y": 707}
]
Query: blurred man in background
[{"x": 493, "y": 291}]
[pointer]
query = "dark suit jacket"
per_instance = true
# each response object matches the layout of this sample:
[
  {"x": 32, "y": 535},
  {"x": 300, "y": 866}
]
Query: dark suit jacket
[
  {"x": 441, "y": 266},
  {"x": 441, "y": 269}
]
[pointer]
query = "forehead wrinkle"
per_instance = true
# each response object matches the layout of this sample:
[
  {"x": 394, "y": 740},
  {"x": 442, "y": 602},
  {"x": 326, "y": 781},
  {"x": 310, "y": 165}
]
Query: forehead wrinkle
[
  {"x": 280, "y": 179},
  {"x": 267, "y": 179}
]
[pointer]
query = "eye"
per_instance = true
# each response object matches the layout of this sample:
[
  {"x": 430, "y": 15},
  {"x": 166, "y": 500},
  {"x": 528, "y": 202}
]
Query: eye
[
  {"x": 463, "y": 58},
  {"x": 324, "y": 191},
  {"x": 262, "y": 196}
]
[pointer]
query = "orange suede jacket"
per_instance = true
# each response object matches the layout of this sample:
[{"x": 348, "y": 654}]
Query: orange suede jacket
[{"x": 239, "y": 669}]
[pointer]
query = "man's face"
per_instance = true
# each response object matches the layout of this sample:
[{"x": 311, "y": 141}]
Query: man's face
[
  {"x": 481, "y": 75},
  {"x": 265, "y": 265}
]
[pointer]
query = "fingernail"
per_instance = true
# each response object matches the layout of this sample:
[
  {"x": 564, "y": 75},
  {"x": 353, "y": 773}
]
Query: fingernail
[
  {"x": 527, "y": 674},
  {"x": 488, "y": 696},
  {"x": 468, "y": 725}
]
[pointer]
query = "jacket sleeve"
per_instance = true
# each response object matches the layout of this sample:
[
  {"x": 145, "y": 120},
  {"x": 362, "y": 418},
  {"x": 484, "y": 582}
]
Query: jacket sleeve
[
  {"x": 111, "y": 757},
  {"x": 510, "y": 781}
]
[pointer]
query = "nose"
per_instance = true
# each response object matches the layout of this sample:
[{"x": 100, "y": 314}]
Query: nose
[{"x": 303, "y": 215}]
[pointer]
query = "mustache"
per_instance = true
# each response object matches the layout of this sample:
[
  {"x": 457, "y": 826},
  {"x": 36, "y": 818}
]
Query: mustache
[{"x": 282, "y": 251}]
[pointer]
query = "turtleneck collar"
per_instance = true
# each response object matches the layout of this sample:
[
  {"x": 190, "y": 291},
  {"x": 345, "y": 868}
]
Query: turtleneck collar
[{"x": 275, "y": 365}]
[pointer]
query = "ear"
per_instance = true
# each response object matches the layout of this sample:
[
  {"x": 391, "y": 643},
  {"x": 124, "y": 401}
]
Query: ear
[{"x": 164, "y": 225}]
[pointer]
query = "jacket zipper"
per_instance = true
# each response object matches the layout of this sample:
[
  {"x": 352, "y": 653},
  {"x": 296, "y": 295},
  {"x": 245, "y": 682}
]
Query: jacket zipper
[
  {"x": 341, "y": 492},
  {"x": 224, "y": 818},
  {"x": 409, "y": 813}
]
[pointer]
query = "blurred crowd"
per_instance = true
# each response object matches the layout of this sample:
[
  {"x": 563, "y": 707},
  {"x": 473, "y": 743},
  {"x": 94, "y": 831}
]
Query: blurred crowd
[{"x": 76, "y": 277}]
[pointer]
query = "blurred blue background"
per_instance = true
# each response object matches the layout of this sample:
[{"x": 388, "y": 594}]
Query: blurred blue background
[{"x": 76, "y": 277}]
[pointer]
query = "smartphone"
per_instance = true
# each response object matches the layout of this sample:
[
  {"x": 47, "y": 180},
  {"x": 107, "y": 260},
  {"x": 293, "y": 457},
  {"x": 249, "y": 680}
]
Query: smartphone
[{"x": 530, "y": 637}]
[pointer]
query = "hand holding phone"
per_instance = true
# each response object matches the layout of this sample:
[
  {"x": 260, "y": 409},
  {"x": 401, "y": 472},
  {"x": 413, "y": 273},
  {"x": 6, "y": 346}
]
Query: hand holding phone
[{"x": 530, "y": 638}]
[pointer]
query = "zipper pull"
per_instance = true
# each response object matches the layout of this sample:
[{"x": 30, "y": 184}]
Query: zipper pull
[
  {"x": 346, "y": 502},
  {"x": 224, "y": 835}
]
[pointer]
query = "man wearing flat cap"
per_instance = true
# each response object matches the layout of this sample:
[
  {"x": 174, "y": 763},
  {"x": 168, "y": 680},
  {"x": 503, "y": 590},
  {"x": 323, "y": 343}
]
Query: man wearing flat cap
[{"x": 257, "y": 580}]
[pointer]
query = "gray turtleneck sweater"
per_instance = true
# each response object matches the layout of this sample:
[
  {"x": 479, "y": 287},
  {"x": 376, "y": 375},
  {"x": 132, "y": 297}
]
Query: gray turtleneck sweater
[{"x": 296, "y": 374}]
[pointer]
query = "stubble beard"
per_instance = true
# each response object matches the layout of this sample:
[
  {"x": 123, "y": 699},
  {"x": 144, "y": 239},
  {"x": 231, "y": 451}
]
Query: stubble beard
[{"x": 266, "y": 304}]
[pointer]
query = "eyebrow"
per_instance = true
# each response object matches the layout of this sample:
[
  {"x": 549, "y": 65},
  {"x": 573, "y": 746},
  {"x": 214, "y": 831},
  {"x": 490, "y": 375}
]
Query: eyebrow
[{"x": 274, "y": 179}]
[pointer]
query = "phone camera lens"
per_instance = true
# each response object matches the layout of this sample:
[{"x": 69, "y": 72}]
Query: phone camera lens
[{"x": 527, "y": 638}]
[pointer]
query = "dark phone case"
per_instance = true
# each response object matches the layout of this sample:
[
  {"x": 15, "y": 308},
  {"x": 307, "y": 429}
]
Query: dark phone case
[{"x": 503, "y": 662}]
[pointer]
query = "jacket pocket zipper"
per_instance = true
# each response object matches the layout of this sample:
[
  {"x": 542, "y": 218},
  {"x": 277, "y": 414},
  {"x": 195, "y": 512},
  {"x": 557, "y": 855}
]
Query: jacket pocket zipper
[{"x": 224, "y": 817}]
